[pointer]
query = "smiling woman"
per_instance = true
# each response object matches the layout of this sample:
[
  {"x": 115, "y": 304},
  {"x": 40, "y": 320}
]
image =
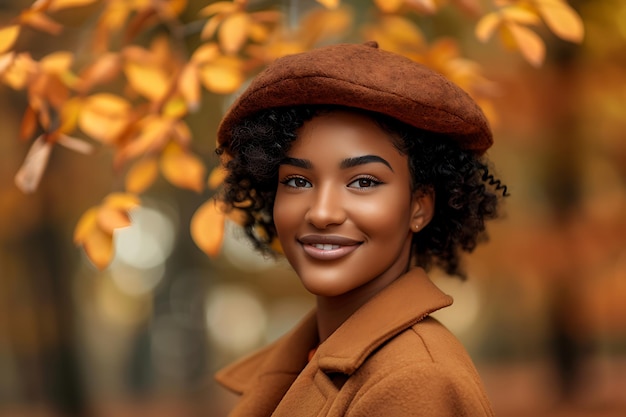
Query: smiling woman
[{"x": 368, "y": 169}]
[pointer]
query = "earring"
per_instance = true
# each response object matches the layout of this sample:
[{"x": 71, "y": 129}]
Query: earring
[{"x": 417, "y": 226}]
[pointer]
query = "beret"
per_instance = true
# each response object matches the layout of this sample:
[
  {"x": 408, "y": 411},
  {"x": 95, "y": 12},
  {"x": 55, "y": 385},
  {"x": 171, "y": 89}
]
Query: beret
[{"x": 369, "y": 78}]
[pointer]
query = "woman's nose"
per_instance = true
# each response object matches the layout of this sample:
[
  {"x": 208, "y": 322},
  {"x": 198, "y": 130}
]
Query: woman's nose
[{"x": 326, "y": 208}]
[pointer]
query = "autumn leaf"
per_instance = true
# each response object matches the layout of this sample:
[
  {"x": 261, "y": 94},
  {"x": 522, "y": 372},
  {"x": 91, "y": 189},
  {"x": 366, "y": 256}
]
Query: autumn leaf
[
  {"x": 86, "y": 222},
  {"x": 8, "y": 36},
  {"x": 207, "y": 227},
  {"x": 98, "y": 246},
  {"x": 222, "y": 76},
  {"x": 37, "y": 20},
  {"x": 189, "y": 86},
  {"x": 423, "y": 6},
  {"x": 529, "y": 43},
  {"x": 110, "y": 218},
  {"x": 56, "y": 5},
  {"x": 561, "y": 19},
  {"x": 104, "y": 117},
  {"x": 141, "y": 175},
  {"x": 105, "y": 68},
  {"x": 233, "y": 32},
  {"x": 122, "y": 201},
  {"x": 217, "y": 176},
  {"x": 5, "y": 61},
  {"x": 149, "y": 81},
  {"x": 330, "y": 4},
  {"x": 77, "y": 145},
  {"x": 29, "y": 175},
  {"x": 182, "y": 169}
]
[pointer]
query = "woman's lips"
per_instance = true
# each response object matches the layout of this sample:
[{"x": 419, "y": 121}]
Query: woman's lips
[{"x": 326, "y": 247}]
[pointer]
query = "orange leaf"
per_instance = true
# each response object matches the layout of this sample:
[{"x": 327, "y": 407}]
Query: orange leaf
[
  {"x": 529, "y": 43},
  {"x": 57, "y": 62},
  {"x": 329, "y": 4},
  {"x": 222, "y": 76},
  {"x": 233, "y": 32},
  {"x": 210, "y": 27},
  {"x": 561, "y": 19},
  {"x": 6, "y": 60},
  {"x": 29, "y": 123},
  {"x": 207, "y": 227},
  {"x": 219, "y": 7},
  {"x": 29, "y": 175},
  {"x": 122, "y": 201},
  {"x": 19, "y": 72},
  {"x": 98, "y": 247},
  {"x": 40, "y": 21},
  {"x": 155, "y": 132},
  {"x": 149, "y": 81},
  {"x": 8, "y": 36},
  {"x": 85, "y": 224},
  {"x": 141, "y": 175},
  {"x": 105, "y": 68},
  {"x": 66, "y": 4},
  {"x": 487, "y": 25},
  {"x": 189, "y": 86},
  {"x": 205, "y": 53},
  {"x": 217, "y": 176},
  {"x": 110, "y": 218},
  {"x": 70, "y": 111},
  {"x": 182, "y": 168},
  {"x": 172, "y": 8},
  {"x": 104, "y": 117}
]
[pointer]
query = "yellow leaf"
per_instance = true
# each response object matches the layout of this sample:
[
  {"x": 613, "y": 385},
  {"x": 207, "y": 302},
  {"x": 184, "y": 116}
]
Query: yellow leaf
[
  {"x": 141, "y": 175},
  {"x": 98, "y": 247},
  {"x": 85, "y": 224},
  {"x": 561, "y": 19},
  {"x": 103, "y": 69},
  {"x": 487, "y": 25},
  {"x": 19, "y": 71},
  {"x": 520, "y": 14},
  {"x": 104, "y": 117},
  {"x": 155, "y": 132},
  {"x": 223, "y": 76},
  {"x": 149, "y": 81},
  {"x": 217, "y": 176},
  {"x": 122, "y": 201},
  {"x": 8, "y": 36},
  {"x": 210, "y": 27},
  {"x": 529, "y": 43},
  {"x": 175, "y": 108},
  {"x": 66, "y": 4},
  {"x": 77, "y": 145},
  {"x": 207, "y": 227},
  {"x": 219, "y": 7},
  {"x": 69, "y": 114},
  {"x": 329, "y": 4},
  {"x": 182, "y": 168},
  {"x": 423, "y": 6},
  {"x": 6, "y": 60},
  {"x": 110, "y": 218},
  {"x": 324, "y": 24},
  {"x": 233, "y": 32},
  {"x": 205, "y": 53},
  {"x": 40, "y": 21},
  {"x": 29, "y": 175},
  {"x": 189, "y": 86},
  {"x": 57, "y": 62}
]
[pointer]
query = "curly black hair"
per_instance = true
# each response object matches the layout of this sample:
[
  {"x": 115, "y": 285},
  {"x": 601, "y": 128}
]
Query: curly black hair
[{"x": 466, "y": 194}]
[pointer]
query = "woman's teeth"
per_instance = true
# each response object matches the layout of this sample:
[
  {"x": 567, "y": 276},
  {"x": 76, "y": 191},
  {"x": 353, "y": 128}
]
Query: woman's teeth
[{"x": 325, "y": 246}]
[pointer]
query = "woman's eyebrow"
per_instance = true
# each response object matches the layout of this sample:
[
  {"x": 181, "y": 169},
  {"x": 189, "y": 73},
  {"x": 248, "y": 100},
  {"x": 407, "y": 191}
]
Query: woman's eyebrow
[
  {"x": 365, "y": 159},
  {"x": 297, "y": 162}
]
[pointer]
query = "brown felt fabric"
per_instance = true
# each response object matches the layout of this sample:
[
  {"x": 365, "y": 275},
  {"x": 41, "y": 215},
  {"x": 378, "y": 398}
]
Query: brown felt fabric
[
  {"x": 390, "y": 358},
  {"x": 369, "y": 78}
]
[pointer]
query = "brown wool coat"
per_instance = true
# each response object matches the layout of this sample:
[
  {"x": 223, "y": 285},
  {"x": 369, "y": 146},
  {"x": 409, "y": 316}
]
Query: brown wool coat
[{"x": 388, "y": 359}]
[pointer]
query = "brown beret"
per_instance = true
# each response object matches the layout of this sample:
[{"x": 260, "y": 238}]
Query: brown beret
[{"x": 365, "y": 77}]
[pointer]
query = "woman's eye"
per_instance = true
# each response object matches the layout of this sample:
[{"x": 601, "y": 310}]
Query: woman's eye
[
  {"x": 364, "y": 183},
  {"x": 297, "y": 182}
]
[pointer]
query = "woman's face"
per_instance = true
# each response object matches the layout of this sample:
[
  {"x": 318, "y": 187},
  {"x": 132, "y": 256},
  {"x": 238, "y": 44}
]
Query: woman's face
[{"x": 344, "y": 210}]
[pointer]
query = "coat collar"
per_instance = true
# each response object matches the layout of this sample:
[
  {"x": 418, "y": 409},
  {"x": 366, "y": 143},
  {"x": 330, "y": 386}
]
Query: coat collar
[{"x": 400, "y": 305}]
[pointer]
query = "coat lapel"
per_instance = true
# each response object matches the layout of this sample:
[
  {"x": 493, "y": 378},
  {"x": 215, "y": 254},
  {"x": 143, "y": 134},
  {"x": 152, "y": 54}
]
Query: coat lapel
[{"x": 399, "y": 306}]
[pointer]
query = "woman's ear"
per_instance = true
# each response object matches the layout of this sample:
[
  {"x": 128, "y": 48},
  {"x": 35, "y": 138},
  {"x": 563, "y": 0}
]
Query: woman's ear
[{"x": 422, "y": 209}]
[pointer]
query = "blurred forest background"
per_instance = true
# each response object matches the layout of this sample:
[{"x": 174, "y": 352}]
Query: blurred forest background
[{"x": 137, "y": 328}]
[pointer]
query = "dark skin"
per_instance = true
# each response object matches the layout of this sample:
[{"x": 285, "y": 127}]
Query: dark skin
[{"x": 345, "y": 212}]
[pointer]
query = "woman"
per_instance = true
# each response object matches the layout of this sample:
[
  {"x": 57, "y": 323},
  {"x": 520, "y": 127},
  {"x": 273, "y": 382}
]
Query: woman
[{"x": 368, "y": 168}]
